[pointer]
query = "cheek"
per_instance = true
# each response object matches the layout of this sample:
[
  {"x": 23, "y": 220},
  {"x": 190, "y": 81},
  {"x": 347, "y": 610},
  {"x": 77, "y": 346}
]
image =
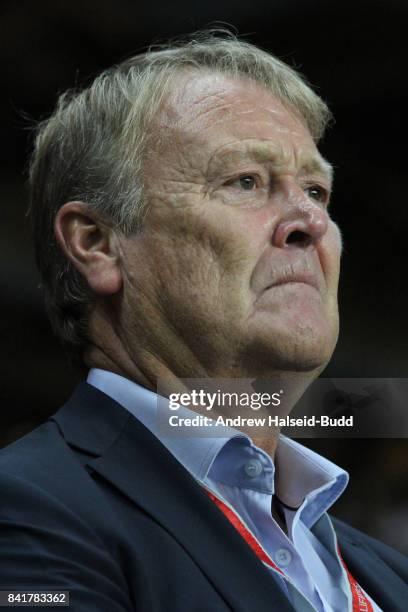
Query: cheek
[
  {"x": 331, "y": 254},
  {"x": 337, "y": 237},
  {"x": 216, "y": 237},
  {"x": 204, "y": 250}
]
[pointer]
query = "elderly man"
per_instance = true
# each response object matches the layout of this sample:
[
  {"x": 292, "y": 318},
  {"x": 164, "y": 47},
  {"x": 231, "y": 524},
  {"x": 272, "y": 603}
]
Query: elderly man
[{"x": 180, "y": 209}]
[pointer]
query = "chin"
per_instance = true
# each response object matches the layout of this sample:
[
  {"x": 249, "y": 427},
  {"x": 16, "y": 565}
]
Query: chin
[{"x": 308, "y": 349}]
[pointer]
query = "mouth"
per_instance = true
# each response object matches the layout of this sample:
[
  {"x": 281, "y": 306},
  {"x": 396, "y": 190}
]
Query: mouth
[{"x": 305, "y": 278}]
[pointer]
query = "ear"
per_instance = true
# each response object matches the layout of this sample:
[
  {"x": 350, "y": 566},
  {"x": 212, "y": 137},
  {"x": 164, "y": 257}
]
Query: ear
[{"x": 91, "y": 247}]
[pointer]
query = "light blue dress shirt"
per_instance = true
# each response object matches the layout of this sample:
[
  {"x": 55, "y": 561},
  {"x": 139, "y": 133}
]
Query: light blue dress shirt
[{"x": 245, "y": 478}]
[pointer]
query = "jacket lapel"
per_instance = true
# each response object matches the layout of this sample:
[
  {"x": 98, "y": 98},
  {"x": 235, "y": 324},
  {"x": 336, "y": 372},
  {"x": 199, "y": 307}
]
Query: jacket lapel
[{"x": 126, "y": 454}]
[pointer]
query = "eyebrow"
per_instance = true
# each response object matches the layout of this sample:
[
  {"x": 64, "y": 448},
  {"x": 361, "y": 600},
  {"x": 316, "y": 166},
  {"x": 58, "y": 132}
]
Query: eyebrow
[
  {"x": 315, "y": 164},
  {"x": 318, "y": 165}
]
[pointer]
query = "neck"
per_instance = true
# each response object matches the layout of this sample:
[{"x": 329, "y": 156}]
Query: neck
[
  {"x": 268, "y": 444},
  {"x": 135, "y": 361}
]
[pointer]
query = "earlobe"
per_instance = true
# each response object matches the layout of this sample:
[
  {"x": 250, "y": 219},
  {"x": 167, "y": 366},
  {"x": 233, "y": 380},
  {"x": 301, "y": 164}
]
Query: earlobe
[{"x": 90, "y": 245}]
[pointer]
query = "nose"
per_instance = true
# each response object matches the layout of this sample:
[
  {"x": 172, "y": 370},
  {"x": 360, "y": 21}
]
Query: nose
[{"x": 302, "y": 226}]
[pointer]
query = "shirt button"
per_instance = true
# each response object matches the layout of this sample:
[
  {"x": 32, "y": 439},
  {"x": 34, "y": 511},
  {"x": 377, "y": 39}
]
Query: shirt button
[
  {"x": 253, "y": 468},
  {"x": 283, "y": 557}
]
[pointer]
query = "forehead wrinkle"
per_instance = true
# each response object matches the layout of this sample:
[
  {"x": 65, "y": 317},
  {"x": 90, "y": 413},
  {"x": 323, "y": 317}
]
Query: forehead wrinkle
[
  {"x": 181, "y": 110},
  {"x": 223, "y": 108},
  {"x": 228, "y": 102},
  {"x": 218, "y": 114},
  {"x": 193, "y": 108}
]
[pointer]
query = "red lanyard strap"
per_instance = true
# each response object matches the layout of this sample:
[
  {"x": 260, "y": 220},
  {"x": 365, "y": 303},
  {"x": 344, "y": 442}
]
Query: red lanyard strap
[
  {"x": 360, "y": 601},
  {"x": 245, "y": 533}
]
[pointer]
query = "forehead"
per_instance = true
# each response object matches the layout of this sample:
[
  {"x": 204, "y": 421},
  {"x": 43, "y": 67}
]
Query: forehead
[
  {"x": 212, "y": 112},
  {"x": 210, "y": 97},
  {"x": 210, "y": 119}
]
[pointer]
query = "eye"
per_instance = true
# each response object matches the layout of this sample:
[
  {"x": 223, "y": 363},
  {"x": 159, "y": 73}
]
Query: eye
[
  {"x": 318, "y": 193},
  {"x": 246, "y": 182}
]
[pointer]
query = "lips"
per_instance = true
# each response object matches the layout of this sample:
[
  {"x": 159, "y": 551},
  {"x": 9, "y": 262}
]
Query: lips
[{"x": 307, "y": 278}]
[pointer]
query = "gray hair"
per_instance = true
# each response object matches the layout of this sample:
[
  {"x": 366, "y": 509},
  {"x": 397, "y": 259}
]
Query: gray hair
[{"x": 92, "y": 149}]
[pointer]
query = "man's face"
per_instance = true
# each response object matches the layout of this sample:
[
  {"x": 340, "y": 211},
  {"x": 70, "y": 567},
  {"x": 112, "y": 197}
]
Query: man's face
[{"x": 236, "y": 270}]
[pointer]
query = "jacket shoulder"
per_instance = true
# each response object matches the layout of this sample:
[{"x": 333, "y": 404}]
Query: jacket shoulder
[
  {"x": 29, "y": 454},
  {"x": 50, "y": 536}
]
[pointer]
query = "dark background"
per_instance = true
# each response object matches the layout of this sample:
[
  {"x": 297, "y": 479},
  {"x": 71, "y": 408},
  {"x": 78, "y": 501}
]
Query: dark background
[{"x": 355, "y": 54}]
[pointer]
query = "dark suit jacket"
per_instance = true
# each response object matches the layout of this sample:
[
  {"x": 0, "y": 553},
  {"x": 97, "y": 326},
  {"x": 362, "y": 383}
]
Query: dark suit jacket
[{"x": 91, "y": 502}]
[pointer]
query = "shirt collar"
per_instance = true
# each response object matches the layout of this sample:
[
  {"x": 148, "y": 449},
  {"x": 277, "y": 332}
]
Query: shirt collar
[
  {"x": 304, "y": 481},
  {"x": 196, "y": 454}
]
